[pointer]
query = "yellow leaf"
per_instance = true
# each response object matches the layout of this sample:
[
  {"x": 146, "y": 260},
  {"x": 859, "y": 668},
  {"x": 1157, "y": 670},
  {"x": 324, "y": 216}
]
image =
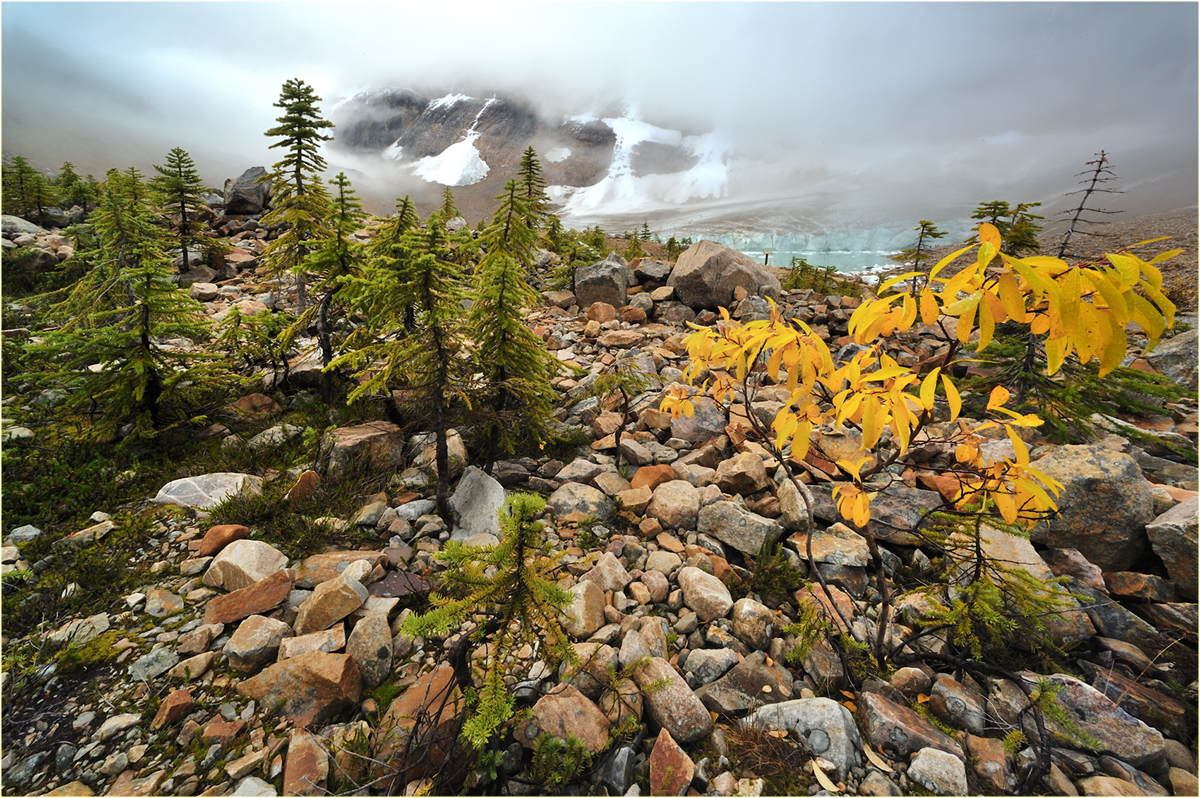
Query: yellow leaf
[
  {"x": 987, "y": 323},
  {"x": 948, "y": 259},
  {"x": 952, "y": 397},
  {"x": 929, "y": 388},
  {"x": 876, "y": 760},
  {"x": 999, "y": 396},
  {"x": 922, "y": 698},
  {"x": 848, "y": 694},
  {"x": 1012, "y": 298},
  {"x": 898, "y": 278},
  {"x": 1040, "y": 324},
  {"x": 966, "y": 322},
  {"x": 1004, "y": 503},
  {"x": 965, "y": 452},
  {"x": 929, "y": 307},
  {"x": 1128, "y": 267},
  {"x": 1019, "y": 447},
  {"x": 989, "y": 234},
  {"x": 1109, "y": 293},
  {"x": 1056, "y": 353},
  {"x": 1071, "y": 300},
  {"x": 862, "y": 510},
  {"x": 826, "y": 783}
]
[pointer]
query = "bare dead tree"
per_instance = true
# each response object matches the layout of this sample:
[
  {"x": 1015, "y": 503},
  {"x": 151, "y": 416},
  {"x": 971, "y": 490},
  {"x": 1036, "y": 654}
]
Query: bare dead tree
[{"x": 1093, "y": 182}]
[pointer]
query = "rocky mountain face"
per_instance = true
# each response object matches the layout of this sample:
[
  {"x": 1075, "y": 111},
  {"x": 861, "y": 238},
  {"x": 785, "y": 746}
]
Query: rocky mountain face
[{"x": 474, "y": 144}]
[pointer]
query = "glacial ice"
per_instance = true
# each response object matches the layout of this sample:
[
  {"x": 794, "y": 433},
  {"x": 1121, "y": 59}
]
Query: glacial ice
[{"x": 458, "y": 165}]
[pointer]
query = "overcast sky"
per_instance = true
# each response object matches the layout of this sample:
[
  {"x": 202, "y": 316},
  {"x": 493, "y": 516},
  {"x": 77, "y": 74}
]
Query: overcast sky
[{"x": 903, "y": 103}]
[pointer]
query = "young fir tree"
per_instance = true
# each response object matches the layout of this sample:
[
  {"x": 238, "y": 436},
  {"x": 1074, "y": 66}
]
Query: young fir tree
[
  {"x": 177, "y": 187},
  {"x": 1017, "y": 226},
  {"x": 533, "y": 189},
  {"x": 918, "y": 254},
  {"x": 512, "y": 585},
  {"x": 556, "y": 237},
  {"x": 424, "y": 362},
  {"x": 73, "y": 189},
  {"x": 448, "y": 210},
  {"x": 107, "y": 355},
  {"x": 333, "y": 259},
  {"x": 514, "y": 362},
  {"x": 27, "y": 192},
  {"x": 298, "y": 196}
]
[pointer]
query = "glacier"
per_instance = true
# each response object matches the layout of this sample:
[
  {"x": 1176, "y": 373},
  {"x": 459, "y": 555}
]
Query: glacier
[{"x": 460, "y": 164}]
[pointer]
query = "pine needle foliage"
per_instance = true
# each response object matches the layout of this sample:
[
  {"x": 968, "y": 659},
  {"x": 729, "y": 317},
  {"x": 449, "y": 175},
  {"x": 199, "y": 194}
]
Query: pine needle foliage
[
  {"x": 333, "y": 260},
  {"x": 177, "y": 187},
  {"x": 27, "y": 192},
  {"x": 448, "y": 210},
  {"x": 514, "y": 362},
  {"x": 425, "y": 362},
  {"x": 511, "y": 585},
  {"x": 298, "y": 196},
  {"x": 107, "y": 353}
]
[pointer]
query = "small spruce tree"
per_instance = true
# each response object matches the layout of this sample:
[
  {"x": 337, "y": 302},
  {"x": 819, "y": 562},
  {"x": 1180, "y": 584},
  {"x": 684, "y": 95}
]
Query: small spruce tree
[
  {"x": 178, "y": 187},
  {"x": 297, "y": 192},
  {"x": 448, "y": 210},
  {"x": 107, "y": 352}
]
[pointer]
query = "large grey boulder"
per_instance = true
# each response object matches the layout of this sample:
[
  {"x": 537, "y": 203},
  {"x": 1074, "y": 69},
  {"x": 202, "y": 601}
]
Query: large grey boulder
[
  {"x": 475, "y": 505},
  {"x": 1176, "y": 357},
  {"x": 734, "y": 525},
  {"x": 15, "y": 226},
  {"x": 708, "y": 273},
  {"x": 245, "y": 194},
  {"x": 207, "y": 490},
  {"x": 1173, "y": 535},
  {"x": 604, "y": 281},
  {"x": 825, "y": 727},
  {"x": 1104, "y": 506}
]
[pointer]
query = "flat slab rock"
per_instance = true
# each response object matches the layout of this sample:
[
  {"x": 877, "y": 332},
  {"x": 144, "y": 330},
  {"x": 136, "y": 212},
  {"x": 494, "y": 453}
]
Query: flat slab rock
[{"x": 207, "y": 490}]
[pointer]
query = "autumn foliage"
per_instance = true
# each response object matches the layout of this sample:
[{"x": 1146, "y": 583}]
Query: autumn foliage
[{"x": 1081, "y": 310}]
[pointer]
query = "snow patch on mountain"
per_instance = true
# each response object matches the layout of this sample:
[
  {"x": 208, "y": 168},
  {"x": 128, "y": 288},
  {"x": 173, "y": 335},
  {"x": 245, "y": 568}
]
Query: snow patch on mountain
[
  {"x": 558, "y": 154},
  {"x": 621, "y": 191},
  {"x": 458, "y": 165},
  {"x": 446, "y": 102},
  {"x": 394, "y": 152}
]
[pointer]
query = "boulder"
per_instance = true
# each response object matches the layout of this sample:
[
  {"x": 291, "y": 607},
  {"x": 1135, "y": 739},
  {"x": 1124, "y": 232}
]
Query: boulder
[
  {"x": 475, "y": 504},
  {"x": 207, "y": 490},
  {"x": 378, "y": 441},
  {"x": 749, "y": 684},
  {"x": 255, "y": 643},
  {"x": 421, "y": 720},
  {"x": 753, "y": 623},
  {"x": 575, "y": 502},
  {"x": 1104, "y": 506},
  {"x": 586, "y": 614},
  {"x": 671, "y": 770},
  {"x": 604, "y": 281},
  {"x": 566, "y": 711},
  {"x": 673, "y": 707},
  {"x": 825, "y": 727},
  {"x": 310, "y": 689},
  {"x": 707, "y": 422},
  {"x": 255, "y": 599},
  {"x": 608, "y": 573},
  {"x": 1173, "y": 536},
  {"x": 939, "y": 772},
  {"x": 675, "y": 504},
  {"x": 307, "y": 766},
  {"x": 708, "y": 273},
  {"x": 736, "y": 526},
  {"x": 743, "y": 473},
  {"x": 899, "y": 730},
  {"x": 370, "y": 644},
  {"x": 1176, "y": 357},
  {"x": 704, "y": 594},
  {"x": 329, "y": 603},
  {"x": 243, "y": 563},
  {"x": 220, "y": 536},
  {"x": 246, "y": 194},
  {"x": 320, "y": 568}
]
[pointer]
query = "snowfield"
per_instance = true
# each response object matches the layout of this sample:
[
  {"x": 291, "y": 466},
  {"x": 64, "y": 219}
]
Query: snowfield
[{"x": 458, "y": 165}]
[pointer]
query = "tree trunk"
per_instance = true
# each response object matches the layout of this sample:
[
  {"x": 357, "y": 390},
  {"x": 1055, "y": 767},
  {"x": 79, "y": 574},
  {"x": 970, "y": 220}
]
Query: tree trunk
[{"x": 323, "y": 338}]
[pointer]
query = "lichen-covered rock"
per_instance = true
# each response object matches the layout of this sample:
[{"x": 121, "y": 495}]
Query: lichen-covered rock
[
  {"x": 674, "y": 707},
  {"x": 706, "y": 595},
  {"x": 1173, "y": 536},
  {"x": 1104, "y": 506},
  {"x": 826, "y": 727}
]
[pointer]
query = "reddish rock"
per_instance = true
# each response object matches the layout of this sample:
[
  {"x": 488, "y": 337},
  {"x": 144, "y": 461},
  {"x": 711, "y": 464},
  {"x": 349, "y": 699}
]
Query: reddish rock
[
  {"x": 174, "y": 707},
  {"x": 1131, "y": 584},
  {"x": 220, "y": 536},
  {"x": 305, "y": 486},
  {"x": 307, "y": 766},
  {"x": 322, "y": 567},
  {"x": 329, "y": 603},
  {"x": 436, "y": 702},
  {"x": 744, "y": 474},
  {"x": 606, "y": 424},
  {"x": 899, "y": 730},
  {"x": 671, "y": 770},
  {"x": 673, "y": 707},
  {"x": 257, "y": 404},
  {"x": 310, "y": 688},
  {"x": 219, "y": 730},
  {"x": 601, "y": 312},
  {"x": 990, "y": 764},
  {"x": 128, "y": 784},
  {"x": 620, "y": 339},
  {"x": 257, "y": 599},
  {"x": 652, "y": 476},
  {"x": 564, "y": 712}
]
